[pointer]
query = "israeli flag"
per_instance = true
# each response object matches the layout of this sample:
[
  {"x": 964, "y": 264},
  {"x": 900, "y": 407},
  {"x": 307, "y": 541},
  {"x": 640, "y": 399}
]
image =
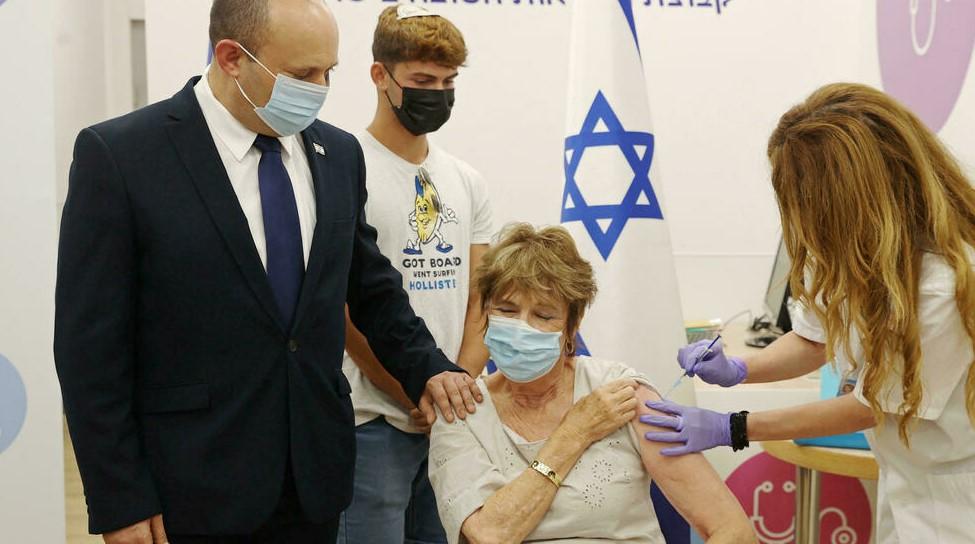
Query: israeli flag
[{"x": 611, "y": 202}]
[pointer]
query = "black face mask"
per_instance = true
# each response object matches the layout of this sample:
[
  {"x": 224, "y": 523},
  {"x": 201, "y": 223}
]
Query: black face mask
[{"x": 423, "y": 110}]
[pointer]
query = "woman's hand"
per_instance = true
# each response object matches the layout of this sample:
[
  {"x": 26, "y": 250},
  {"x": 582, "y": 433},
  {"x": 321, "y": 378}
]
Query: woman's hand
[
  {"x": 712, "y": 366},
  {"x": 691, "y": 485},
  {"x": 603, "y": 411},
  {"x": 695, "y": 429}
]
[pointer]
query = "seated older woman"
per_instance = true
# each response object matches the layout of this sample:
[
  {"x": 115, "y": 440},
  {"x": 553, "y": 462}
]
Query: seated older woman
[{"x": 554, "y": 454}]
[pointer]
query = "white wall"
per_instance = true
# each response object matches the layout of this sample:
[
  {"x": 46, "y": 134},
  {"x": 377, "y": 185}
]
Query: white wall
[
  {"x": 93, "y": 70},
  {"x": 31, "y": 470},
  {"x": 717, "y": 84}
]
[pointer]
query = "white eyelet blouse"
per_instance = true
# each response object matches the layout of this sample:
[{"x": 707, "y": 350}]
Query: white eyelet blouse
[{"x": 605, "y": 497}]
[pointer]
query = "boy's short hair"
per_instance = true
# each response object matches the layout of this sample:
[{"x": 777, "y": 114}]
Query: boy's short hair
[{"x": 425, "y": 39}]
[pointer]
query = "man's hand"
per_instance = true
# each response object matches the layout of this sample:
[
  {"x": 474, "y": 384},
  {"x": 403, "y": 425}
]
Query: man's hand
[
  {"x": 453, "y": 393},
  {"x": 419, "y": 420},
  {"x": 149, "y": 531}
]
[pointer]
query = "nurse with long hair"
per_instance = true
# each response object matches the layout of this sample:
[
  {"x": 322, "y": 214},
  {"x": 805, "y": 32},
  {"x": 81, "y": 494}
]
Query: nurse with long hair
[{"x": 879, "y": 222}]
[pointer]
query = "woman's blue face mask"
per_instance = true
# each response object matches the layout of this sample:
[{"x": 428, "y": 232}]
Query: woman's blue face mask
[{"x": 521, "y": 352}]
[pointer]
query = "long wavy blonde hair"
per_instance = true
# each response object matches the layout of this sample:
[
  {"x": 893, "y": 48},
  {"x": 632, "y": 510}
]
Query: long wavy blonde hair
[{"x": 864, "y": 190}]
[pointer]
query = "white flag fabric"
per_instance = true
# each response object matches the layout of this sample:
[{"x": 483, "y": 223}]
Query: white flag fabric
[{"x": 611, "y": 201}]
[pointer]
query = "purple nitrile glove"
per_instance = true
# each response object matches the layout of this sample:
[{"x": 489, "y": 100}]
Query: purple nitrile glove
[
  {"x": 698, "y": 429},
  {"x": 715, "y": 367}
]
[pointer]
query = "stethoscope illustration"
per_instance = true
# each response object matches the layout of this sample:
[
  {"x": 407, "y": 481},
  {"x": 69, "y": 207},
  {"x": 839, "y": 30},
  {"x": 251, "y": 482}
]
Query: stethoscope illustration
[
  {"x": 844, "y": 534},
  {"x": 920, "y": 49}
]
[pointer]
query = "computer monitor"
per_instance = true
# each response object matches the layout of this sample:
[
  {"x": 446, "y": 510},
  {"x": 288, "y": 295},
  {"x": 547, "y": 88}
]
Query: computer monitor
[{"x": 777, "y": 294}]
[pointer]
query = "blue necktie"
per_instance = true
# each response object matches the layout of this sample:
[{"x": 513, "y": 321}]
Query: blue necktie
[{"x": 282, "y": 231}]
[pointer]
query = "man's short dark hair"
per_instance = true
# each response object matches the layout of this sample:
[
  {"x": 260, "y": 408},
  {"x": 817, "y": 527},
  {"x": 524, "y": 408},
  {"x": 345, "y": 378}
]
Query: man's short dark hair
[{"x": 245, "y": 21}]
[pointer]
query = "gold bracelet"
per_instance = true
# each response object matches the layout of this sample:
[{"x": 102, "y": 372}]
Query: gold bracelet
[{"x": 547, "y": 471}]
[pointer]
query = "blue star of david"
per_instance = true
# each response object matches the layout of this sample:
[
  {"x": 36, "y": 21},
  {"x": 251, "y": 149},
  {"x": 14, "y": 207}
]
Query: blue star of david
[{"x": 574, "y": 206}]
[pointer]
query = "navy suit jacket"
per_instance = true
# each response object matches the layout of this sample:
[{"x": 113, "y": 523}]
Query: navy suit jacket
[{"x": 184, "y": 392}]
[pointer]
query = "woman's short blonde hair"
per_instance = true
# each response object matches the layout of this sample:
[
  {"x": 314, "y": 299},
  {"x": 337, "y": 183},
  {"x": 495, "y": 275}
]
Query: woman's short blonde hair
[{"x": 540, "y": 262}]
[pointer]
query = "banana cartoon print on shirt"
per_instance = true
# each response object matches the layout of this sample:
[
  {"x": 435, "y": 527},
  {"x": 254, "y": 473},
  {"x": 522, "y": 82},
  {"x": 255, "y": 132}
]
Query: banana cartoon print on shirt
[{"x": 428, "y": 217}]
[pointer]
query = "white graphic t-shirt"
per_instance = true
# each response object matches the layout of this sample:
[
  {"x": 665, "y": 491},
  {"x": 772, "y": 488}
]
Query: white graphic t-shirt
[{"x": 427, "y": 216}]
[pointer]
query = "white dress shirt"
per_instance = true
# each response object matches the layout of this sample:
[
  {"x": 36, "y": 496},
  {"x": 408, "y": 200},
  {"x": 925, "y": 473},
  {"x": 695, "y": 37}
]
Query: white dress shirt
[{"x": 235, "y": 144}]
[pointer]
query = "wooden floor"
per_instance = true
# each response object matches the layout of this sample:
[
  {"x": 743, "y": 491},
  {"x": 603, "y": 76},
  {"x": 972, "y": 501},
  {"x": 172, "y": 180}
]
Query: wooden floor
[{"x": 76, "y": 514}]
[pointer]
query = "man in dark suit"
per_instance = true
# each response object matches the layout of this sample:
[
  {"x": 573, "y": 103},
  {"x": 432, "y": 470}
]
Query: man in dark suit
[{"x": 209, "y": 244}]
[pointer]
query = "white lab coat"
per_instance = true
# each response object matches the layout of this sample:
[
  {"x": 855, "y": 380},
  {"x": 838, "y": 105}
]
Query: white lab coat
[{"x": 925, "y": 494}]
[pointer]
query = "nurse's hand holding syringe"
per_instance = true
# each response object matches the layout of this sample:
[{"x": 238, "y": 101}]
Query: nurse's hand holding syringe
[{"x": 710, "y": 363}]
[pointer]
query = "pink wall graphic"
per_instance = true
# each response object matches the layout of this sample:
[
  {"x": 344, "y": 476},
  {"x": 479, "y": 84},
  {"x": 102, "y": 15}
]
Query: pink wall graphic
[
  {"x": 925, "y": 48},
  {"x": 765, "y": 487}
]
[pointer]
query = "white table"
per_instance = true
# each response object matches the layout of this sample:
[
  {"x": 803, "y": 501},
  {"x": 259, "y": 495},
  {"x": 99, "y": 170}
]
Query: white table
[{"x": 810, "y": 461}]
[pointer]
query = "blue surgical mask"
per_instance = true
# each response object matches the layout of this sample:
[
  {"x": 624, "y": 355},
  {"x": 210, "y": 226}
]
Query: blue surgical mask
[
  {"x": 294, "y": 104},
  {"x": 521, "y": 352}
]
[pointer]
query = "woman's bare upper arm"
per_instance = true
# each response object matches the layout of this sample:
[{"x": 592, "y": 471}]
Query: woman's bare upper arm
[{"x": 689, "y": 481}]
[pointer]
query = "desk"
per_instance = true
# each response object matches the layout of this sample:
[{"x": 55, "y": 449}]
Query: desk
[{"x": 809, "y": 462}]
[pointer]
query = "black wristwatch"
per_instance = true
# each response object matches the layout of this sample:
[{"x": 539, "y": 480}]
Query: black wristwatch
[{"x": 739, "y": 430}]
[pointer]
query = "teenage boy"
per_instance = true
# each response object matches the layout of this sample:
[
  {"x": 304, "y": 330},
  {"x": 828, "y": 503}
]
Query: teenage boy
[{"x": 434, "y": 222}]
